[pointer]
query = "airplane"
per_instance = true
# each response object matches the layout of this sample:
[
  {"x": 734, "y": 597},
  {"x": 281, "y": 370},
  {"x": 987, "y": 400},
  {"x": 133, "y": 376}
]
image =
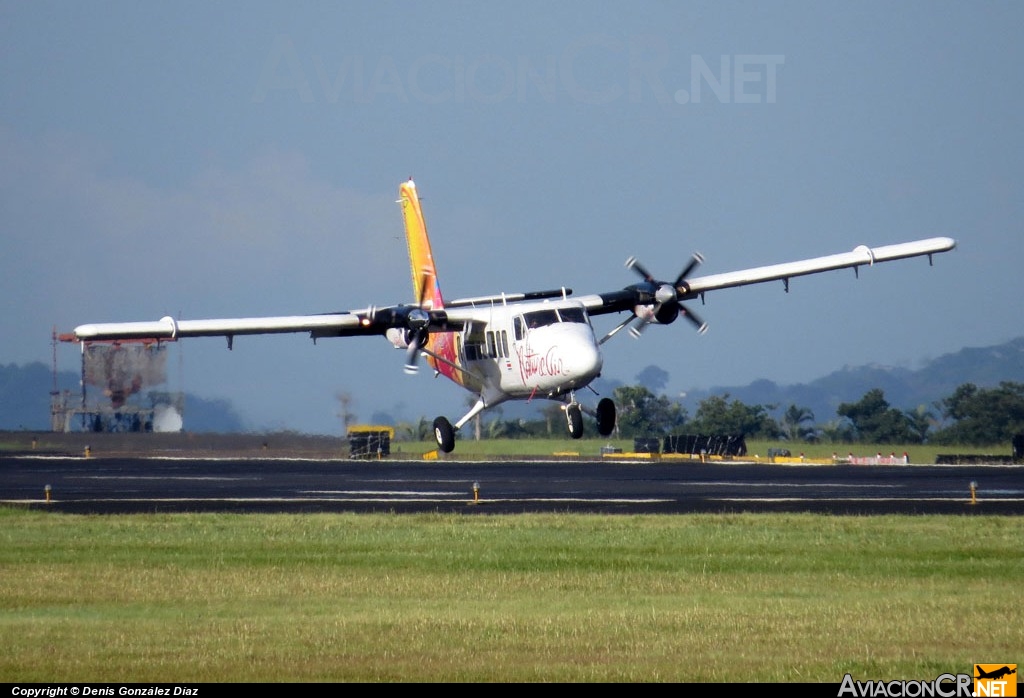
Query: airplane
[
  {"x": 995, "y": 673},
  {"x": 512, "y": 346}
]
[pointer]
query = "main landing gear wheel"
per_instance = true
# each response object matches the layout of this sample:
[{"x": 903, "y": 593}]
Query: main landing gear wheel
[
  {"x": 445, "y": 434},
  {"x": 605, "y": 416},
  {"x": 574, "y": 417}
]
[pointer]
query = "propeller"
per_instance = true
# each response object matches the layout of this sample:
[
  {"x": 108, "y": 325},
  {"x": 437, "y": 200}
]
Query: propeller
[
  {"x": 667, "y": 306},
  {"x": 417, "y": 327},
  {"x": 417, "y": 333}
]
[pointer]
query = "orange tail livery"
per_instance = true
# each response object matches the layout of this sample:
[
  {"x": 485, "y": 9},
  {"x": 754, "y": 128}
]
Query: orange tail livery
[
  {"x": 425, "y": 286},
  {"x": 424, "y": 274}
]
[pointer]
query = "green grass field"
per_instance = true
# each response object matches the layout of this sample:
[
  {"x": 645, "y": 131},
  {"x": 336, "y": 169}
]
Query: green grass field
[{"x": 346, "y": 597}]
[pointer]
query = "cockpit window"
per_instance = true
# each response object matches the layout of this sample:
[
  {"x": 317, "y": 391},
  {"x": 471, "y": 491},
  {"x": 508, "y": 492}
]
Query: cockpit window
[
  {"x": 572, "y": 315},
  {"x": 542, "y": 318}
]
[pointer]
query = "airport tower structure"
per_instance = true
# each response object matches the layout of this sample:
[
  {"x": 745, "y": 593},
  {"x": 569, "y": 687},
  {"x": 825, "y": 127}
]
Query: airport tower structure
[{"x": 124, "y": 388}]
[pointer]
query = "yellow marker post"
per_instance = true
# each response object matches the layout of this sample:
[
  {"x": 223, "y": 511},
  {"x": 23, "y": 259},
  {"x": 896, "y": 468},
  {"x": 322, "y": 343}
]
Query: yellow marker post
[{"x": 974, "y": 492}]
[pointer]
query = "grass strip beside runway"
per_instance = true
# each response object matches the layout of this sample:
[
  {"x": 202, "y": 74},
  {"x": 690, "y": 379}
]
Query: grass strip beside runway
[{"x": 348, "y": 597}]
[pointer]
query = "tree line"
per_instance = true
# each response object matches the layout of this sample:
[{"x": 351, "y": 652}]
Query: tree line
[{"x": 970, "y": 416}]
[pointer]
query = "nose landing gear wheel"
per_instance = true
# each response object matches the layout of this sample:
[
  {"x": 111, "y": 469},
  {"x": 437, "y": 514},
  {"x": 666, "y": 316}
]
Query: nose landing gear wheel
[
  {"x": 574, "y": 418},
  {"x": 444, "y": 434}
]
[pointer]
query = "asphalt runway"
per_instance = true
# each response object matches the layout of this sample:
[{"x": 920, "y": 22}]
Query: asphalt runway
[{"x": 189, "y": 484}]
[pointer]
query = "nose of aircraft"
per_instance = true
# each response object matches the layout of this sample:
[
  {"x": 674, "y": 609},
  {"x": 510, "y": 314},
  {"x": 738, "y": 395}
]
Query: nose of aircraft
[
  {"x": 583, "y": 358},
  {"x": 559, "y": 358}
]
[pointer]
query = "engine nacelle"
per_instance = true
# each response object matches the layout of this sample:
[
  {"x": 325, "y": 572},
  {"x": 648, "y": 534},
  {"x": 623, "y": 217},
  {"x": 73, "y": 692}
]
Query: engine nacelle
[
  {"x": 665, "y": 314},
  {"x": 398, "y": 336}
]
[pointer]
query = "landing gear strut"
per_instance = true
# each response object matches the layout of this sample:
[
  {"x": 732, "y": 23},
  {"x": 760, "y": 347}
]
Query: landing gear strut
[{"x": 574, "y": 418}]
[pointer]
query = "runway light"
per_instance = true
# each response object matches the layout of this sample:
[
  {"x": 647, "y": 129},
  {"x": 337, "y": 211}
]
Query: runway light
[
  {"x": 88, "y": 451},
  {"x": 48, "y": 490},
  {"x": 974, "y": 492},
  {"x": 476, "y": 493}
]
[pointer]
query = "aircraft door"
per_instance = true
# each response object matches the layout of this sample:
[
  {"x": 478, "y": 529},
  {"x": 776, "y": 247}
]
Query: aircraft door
[{"x": 474, "y": 342}]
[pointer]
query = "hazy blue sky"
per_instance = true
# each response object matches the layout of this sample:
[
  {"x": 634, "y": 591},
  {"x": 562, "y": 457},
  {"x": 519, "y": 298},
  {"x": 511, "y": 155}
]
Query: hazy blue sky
[{"x": 242, "y": 158}]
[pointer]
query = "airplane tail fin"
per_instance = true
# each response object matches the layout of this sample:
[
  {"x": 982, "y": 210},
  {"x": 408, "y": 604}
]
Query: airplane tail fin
[{"x": 421, "y": 260}]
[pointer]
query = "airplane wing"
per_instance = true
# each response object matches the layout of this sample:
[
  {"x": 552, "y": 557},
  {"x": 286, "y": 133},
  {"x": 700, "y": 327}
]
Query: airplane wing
[
  {"x": 368, "y": 321},
  {"x": 377, "y": 321},
  {"x": 326, "y": 325},
  {"x": 647, "y": 293},
  {"x": 860, "y": 256}
]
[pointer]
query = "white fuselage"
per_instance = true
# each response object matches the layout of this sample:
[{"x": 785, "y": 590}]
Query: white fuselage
[{"x": 526, "y": 350}]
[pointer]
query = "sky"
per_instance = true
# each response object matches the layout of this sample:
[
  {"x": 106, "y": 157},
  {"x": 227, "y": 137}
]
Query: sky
[{"x": 239, "y": 159}]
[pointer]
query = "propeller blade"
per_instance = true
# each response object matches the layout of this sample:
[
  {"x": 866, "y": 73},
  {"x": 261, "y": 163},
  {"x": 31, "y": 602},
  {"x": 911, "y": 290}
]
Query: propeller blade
[
  {"x": 412, "y": 355},
  {"x": 411, "y": 363},
  {"x": 665, "y": 299},
  {"x": 697, "y": 258},
  {"x": 417, "y": 321},
  {"x": 638, "y": 328},
  {"x": 634, "y": 264},
  {"x": 694, "y": 319},
  {"x": 643, "y": 319}
]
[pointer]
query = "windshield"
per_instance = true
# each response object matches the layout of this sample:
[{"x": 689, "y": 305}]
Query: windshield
[
  {"x": 572, "y": 315},
  {"x": 542, "y": 318}
]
